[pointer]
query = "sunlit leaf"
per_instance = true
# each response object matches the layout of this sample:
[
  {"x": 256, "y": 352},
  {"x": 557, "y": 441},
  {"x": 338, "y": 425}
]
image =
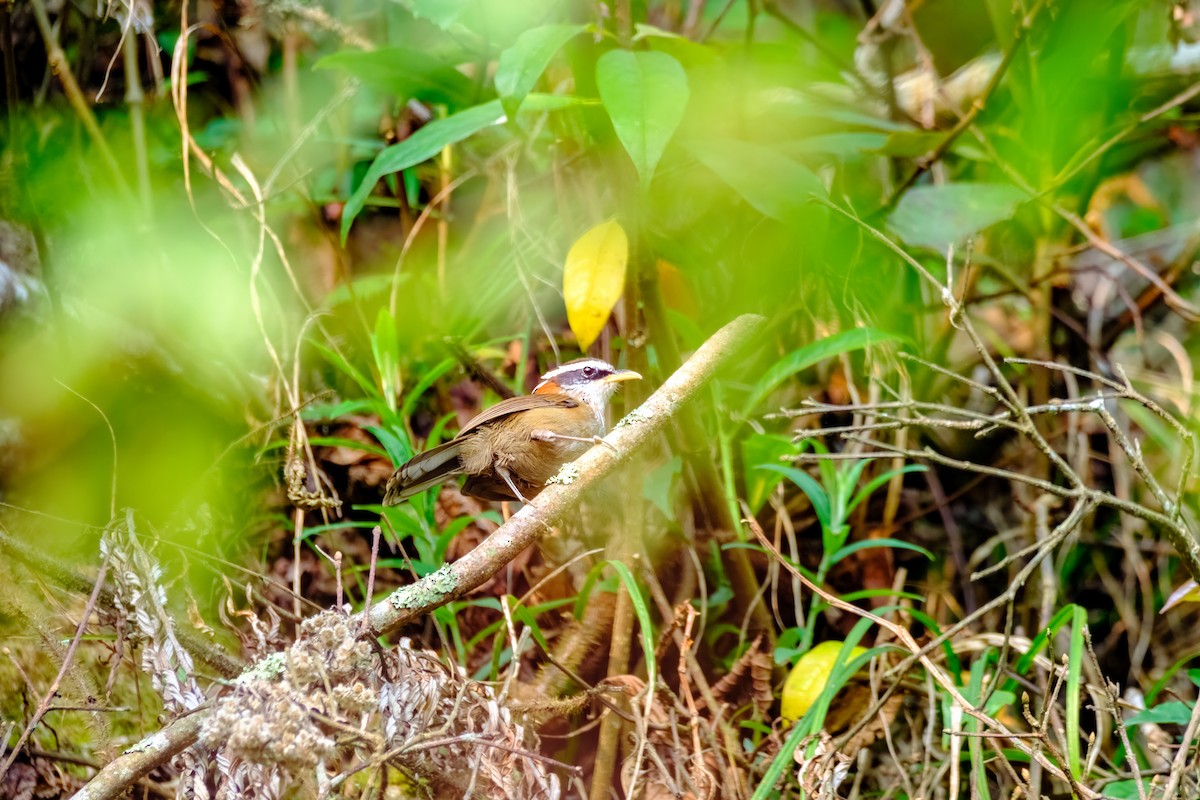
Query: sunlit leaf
[
  {"x": 521, "y": 65},
  {"x": 807, "y": 679},
  {"x": 656, "y": 487},
  {"x": 593, "y": 279},
  {"x": 429, "y": 141},
  {"x": 405, "y": 73},
  {"x": 385, "y": 347},
  {"x": 772, "y": 183},
  {"x": 939, "y": 216},
  {"x": 421, "y": 146},
  {"x": 443, "y": 13},
  {"x": 645, "y": 94}
]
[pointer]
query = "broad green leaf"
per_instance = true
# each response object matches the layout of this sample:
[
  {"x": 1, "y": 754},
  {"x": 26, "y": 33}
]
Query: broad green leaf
[
  {"x": 645, "y": 94},
  {"x": 443, "y": 13},
  {"x": 763, "y": 448},
  {"x": 656, "y": 487},
  {"x": 521, "y": 65},
  {"x": 405, "y": 73},
  {"x": 772, "y": 183},
  {"x": 1172, "y": 712},
  {"x": 682, "y": 49},
  {"x": 1128, "y": 789},
  {"x": 593, "y": 279},
  {"x": 856, "y": 144},
  {"x": 939, "y": 216},
  {"x": 810, "y": 354}
]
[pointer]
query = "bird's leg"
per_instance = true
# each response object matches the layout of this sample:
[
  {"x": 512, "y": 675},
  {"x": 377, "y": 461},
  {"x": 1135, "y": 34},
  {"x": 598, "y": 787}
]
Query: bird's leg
[
  {"x": 550, "y": 436},
  {"x": 507, "y": 476}
]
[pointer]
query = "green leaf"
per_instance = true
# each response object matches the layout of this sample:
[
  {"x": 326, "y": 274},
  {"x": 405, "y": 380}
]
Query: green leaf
[
  {"x": 763, "y": 448},
  {"x": 1074, "y": 679},
  {"x": 421, "y": 146},
  {"x": 810, "y": 354},
  {"x": 405, "y": 73},
  {"x": 643, "y": 614},
  {"x": 1172, "y": 712},
  {"x": 880, "y": 480},
  {"x": 863, "y": 544},
  {"x": 645, "y": 95},
  {"x": 656, "y": 486},
  {"x": 773, "y": 184},
  {"x": 808, "y": 485},
  {"x": 521, "y": 65},
  {"x": 1128, "y": 789},
  {"x": 443, "y": 13},
  {"x": 348, "y": 369},
  {"x": 939, "y": 216},
  {"x": 385, "y": 346},
  {"x": 429, "y": 141}
]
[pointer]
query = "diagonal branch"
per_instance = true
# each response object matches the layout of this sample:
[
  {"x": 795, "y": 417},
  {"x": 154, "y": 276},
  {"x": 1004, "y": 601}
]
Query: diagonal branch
[{"x": 454, "y": 581}]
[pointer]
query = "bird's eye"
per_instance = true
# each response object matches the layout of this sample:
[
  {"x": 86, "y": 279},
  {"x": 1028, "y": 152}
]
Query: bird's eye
[{"x": 589, "y": 372}]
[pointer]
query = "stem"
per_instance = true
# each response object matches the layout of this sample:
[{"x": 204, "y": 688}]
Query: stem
[
  {"x": 62, "y": 68},
  {"x": 135, "y": 99}
]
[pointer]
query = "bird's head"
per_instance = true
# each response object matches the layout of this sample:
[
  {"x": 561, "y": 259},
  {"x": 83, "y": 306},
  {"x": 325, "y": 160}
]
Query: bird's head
[{"x": 587, "y": 380}]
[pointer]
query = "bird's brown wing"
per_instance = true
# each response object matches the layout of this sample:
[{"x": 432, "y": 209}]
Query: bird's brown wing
[{"x": 514, "y": 405}]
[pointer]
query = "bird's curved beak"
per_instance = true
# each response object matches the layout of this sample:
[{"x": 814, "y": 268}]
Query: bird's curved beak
[{"x": 622, "y": 375}]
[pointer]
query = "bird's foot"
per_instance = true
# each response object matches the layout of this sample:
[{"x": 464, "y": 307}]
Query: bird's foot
[{"x": 551, "y": 436}]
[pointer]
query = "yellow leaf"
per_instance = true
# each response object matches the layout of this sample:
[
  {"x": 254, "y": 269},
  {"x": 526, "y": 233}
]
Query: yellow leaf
[
  {"x": 807, "y": 679},
  {"x": 593, "y": 279}
]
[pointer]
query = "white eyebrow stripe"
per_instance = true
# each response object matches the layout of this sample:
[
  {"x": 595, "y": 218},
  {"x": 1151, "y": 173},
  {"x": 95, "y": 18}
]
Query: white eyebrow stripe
[{"x": 574, "y": 366}]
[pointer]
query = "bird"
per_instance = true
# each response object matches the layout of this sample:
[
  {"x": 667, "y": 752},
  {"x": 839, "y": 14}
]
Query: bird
[{"x": 509, "y": 450}]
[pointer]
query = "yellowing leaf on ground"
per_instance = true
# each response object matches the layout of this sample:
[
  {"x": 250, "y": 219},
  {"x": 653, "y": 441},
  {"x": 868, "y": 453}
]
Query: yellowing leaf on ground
[
  {"x": 593, "y": 279},
  {"x": 807, "y": 679}
]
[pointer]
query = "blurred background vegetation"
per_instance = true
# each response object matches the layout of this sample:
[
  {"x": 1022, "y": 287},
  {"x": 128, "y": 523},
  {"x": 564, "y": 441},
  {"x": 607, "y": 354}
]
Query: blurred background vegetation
[{"x": 253, "y": 254}]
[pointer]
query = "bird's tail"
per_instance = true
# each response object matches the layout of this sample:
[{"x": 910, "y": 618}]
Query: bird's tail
[{"x": 422, "y": 471}]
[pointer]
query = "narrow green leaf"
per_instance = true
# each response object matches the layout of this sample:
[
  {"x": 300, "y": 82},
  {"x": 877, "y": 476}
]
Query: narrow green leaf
[
  {"x": 348, "y": 369},
  {"x": 521, "y": 65},
  {"x": 421, "y": 146},
  {"x": 810, "y": 354},
  {"x": 863, "y": 544},
  {"x": 385, "y": 346},
  {"x": 808, "y": 485},
  {"x": 939, "y": 216},
  {"x": 428, "y": 379},
  {"x": 1074, "y": 680},
  {"x": 645, "y": 94},
  {"x": 643, "y": 614},
  {"x": 773, "y": 184},
  {"x": 880, "y": 480},
  {"x": 429, "y": 141}
]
